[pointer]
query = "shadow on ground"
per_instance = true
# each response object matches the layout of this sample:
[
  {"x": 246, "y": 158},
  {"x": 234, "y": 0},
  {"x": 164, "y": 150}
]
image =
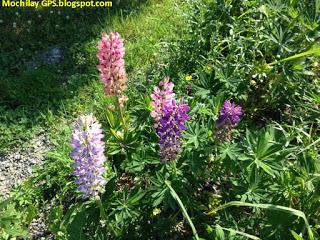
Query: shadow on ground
[
  {"x": 46, "y": 57},
  {"x": 41, "y": 48}
]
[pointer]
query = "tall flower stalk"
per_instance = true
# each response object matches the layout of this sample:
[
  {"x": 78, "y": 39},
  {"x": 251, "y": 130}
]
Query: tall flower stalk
[
  {"x": 88, "y": 155},
  {"x": 111, "y": 65},
  {"x": 112, "y": 69},
  {"x": 229, "y": 117},
  {"x": 89, "y": 158},
  {"x": 170, "y": 130},
  {"x": 169, "y": 117}
]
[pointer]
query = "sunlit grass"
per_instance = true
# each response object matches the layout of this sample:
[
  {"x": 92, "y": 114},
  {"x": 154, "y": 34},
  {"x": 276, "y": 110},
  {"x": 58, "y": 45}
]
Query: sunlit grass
[{"x": 145, "y": 30}]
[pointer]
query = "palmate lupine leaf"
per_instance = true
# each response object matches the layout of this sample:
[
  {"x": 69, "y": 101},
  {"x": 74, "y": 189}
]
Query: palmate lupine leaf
[
  {"x": 269, "y": 207},
  {"x": 264, "y": 152},
  {"x": 10, "y": 221},
  {"x": 230, "y": 150}
]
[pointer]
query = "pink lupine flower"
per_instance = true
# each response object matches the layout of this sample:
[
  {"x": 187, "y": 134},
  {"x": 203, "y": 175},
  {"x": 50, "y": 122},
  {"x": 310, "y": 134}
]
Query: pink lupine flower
[
  {"x": 111, "y": 65},
  {"x": 161, "y": 97}
]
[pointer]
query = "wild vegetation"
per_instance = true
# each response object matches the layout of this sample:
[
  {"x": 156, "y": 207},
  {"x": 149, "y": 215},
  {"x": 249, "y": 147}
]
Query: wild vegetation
[{"x": 196, "y": 119}]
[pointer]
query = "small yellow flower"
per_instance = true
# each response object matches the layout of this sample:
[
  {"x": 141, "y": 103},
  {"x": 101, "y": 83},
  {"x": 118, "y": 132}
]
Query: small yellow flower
[
  {"x": 253, "y": 83},
  {"x": 188, "y": 77},
  {"x": 208, "y": 68},
  {"x": 156, "y": 211}
]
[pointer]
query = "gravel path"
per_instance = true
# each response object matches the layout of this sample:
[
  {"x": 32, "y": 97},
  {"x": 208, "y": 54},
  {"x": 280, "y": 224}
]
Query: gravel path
[{"x": 17, "y": 165}]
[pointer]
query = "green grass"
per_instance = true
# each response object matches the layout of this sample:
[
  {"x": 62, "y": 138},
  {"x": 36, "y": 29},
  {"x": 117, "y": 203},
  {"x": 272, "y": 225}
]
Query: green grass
[
  {"x": 148, "y": 31},
  {"x": 43, "y": 98}
]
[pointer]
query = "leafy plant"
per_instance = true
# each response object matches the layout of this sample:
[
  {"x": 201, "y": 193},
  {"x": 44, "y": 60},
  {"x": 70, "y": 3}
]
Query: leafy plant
[{"x": 11, "y": 221}]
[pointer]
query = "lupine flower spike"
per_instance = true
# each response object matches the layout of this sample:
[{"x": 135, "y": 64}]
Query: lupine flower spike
[
  {"x": 111, "y": 65},
  {"x": 169, "y": 117},
  {"x": 161, "y": 96},
  {"x": 170, "y": 130},
  {"x": 88, "y": 155},
  {"x": 228, "y": 119}
]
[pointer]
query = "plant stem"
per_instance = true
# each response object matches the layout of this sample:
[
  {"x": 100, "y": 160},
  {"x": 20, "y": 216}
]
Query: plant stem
[
  {"x": 105, "y": 217},
  {"x": 175, "y": 168},
  {"x": 121, "y": 115}
]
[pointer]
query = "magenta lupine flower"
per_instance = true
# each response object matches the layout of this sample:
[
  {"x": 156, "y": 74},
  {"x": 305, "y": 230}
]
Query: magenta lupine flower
[
  {"x": 161, "y": 96},
  {"x": 171, "y": 125},
  {"x": 229, "y": 117},
  {"x": 111, "y": 65},
  {"x": 88, "y": 156}
]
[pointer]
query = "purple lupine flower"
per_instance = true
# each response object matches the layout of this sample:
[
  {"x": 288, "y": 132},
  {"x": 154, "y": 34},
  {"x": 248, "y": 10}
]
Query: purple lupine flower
[
  {"x": 171, "y": 125},
  {"x": 229, "y": 117},
  {"x": 88, "y": 156},
  {"x": 169, "y": 117}
]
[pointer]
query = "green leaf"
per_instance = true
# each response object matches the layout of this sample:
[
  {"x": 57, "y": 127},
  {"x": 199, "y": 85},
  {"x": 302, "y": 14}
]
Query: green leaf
[
  {"x": 295, "y": 235},
  {"x": 110, "y": 118},
  {"x": 137, "y": 197},
  {"x": 265, "y": 167},
  {"x": 220, "y": 232},
  {"x": 230, "y": 150},
  {"x": 75, "y": 224},
  {"x": 11, "y": 221}
]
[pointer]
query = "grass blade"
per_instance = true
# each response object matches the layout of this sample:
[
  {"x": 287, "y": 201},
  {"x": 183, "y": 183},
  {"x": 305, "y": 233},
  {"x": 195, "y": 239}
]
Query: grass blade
[
  {"x": 184, "y": 211},
  {"x": 267, "y": 206},
  {"x": 299, "y": 55},
  {"x": 241, "y": 233}
]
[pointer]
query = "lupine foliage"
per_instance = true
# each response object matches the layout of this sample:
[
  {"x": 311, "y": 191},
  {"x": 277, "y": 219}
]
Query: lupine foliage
[{"x": 245, "y": 127}]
